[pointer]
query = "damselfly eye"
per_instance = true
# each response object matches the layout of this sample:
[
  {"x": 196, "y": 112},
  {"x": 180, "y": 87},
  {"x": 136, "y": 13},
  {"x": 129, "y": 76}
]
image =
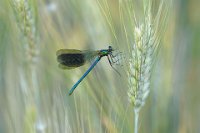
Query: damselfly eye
[{"x": 110, "y": 48}]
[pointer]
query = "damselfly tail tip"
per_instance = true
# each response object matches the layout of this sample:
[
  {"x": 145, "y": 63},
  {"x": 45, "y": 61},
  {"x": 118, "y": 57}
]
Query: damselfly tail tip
[{"x": 70, "y": 93}]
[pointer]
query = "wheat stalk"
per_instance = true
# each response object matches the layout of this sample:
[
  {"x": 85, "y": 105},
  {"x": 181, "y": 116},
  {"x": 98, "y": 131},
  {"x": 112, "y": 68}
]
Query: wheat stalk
[
  {"x": 147, "y": 37},
  {"x": 24, "y": 12},
  {"x": 25, "y": 15}
]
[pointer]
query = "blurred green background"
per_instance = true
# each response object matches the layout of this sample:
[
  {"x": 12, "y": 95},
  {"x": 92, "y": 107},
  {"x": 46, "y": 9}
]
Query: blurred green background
[{"x": 33, "y": 90}]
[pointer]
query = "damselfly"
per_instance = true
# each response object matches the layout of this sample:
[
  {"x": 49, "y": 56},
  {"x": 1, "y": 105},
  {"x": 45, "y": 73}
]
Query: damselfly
[{"x": 72, "y": 58}]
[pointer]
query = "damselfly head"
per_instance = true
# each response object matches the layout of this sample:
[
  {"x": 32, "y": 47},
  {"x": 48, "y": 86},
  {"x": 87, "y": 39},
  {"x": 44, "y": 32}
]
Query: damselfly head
[{"x": 110, "y": 49}]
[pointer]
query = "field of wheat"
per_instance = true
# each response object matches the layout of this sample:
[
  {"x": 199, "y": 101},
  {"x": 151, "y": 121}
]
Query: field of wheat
[{"x": 151, "y": 87}]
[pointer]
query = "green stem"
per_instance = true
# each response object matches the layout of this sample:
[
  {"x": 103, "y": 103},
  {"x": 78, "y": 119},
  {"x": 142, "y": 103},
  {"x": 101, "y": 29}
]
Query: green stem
[{"x": 136, "y": 118}]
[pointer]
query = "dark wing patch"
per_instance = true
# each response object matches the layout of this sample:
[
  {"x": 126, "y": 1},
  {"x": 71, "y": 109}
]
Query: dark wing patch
[{"x": 71, "y": 59}]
